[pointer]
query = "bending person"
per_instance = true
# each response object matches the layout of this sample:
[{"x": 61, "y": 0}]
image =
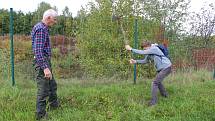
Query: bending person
[{"x": 162, "y": 65}]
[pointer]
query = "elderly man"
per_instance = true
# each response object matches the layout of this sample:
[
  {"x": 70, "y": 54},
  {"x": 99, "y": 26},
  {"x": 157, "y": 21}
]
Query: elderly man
[{"x": 46, "y": 83}]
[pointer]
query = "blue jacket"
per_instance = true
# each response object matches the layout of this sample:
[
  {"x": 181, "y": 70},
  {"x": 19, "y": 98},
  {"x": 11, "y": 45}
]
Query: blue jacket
[{"x": 160, "y": 62}]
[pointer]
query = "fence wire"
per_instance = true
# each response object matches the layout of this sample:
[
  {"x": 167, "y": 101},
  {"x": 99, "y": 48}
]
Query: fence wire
[{"x": 81, "y": 49}]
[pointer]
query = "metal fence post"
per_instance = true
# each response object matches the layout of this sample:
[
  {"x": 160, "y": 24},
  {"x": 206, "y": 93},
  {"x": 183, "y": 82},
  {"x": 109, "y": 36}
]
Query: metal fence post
[
  {"x": 135, "y": 46},
  {"x": 11, "y": 47}
]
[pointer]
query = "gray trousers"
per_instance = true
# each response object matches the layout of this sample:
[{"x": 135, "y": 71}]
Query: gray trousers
[
  {"x": 46, "y": 89},
  {"x": 157, "y": 84}
]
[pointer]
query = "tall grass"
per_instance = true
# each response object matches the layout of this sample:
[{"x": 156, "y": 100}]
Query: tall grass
[{"x": 191, "y": 99}]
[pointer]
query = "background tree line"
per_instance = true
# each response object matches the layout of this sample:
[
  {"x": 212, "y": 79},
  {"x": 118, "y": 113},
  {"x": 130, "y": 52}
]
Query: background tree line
[{"x": 23, "y": 22}]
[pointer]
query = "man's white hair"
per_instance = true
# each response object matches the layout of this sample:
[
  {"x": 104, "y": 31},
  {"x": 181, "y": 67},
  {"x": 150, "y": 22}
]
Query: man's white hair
[{"x": 49, "y": 13}]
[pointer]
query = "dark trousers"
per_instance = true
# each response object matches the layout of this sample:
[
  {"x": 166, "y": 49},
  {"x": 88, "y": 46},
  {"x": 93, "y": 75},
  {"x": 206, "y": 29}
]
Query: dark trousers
[
  {"x": 157, "y": 84},
  {"x": 47, "y": 91}
]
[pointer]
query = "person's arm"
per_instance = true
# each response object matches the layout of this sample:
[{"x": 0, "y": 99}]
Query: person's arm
[
  {"x": 145, "y": 60},
  {"x": 143, "y": 52}
]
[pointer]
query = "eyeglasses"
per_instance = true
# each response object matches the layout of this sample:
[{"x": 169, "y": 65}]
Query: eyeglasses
[{"x": 55, "y": 19}]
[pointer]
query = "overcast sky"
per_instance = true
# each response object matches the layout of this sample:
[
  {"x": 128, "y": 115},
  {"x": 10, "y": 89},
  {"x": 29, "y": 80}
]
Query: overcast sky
[
  {"x": 31, "y": 5},
  {"x": 74, "y": 5}
]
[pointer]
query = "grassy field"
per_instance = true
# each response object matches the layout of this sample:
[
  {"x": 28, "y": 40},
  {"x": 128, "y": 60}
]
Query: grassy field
[{"x": 192, "y": 98}]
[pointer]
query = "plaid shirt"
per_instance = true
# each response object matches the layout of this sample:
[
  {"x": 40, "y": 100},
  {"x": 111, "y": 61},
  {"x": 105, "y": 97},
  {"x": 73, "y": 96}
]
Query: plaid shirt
[{"x": 41, "y": 44}]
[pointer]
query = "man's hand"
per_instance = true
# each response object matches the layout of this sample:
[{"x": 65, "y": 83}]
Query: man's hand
[
  {"x": 128, "y": 47},
  {"x": 47, "y": 73},
  {"x": 132, "y": 61}
]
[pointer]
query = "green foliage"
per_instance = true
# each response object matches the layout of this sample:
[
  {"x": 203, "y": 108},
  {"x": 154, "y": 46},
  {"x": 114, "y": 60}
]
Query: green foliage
[
  {"x": 102, "y": 50},
  {"x": 101, "y": 40},
  {"x": 4, "y": 23}
]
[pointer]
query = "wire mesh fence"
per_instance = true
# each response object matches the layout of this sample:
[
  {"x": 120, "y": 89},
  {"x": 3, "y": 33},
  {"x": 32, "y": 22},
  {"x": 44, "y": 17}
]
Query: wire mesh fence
[{"x": 93, "y": 46}]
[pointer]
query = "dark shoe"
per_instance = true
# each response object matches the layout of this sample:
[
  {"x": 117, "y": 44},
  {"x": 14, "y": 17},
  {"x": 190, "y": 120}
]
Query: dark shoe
[
  {"x": 151, "y": 103},
  {"x": 164, "y": 95},
  {"x": 40, "y": 116},
  {"x": 54, "y": 106}
]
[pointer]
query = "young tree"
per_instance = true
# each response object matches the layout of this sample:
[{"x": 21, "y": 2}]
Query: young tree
[{"x": 203, "y": 25}]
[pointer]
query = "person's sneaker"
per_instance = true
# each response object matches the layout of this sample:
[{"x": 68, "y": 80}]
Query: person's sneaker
[
  {"x": 164, "y": 95},
  {"x": 54, "y": 107},
  {"x": 150, "y": 103},
  {"x": 40, "y": 116}
]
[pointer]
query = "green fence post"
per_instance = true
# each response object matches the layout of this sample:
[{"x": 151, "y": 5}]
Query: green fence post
[
  {"x": 11, "y": 47},
  {"x": 135, "y": 46}
]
